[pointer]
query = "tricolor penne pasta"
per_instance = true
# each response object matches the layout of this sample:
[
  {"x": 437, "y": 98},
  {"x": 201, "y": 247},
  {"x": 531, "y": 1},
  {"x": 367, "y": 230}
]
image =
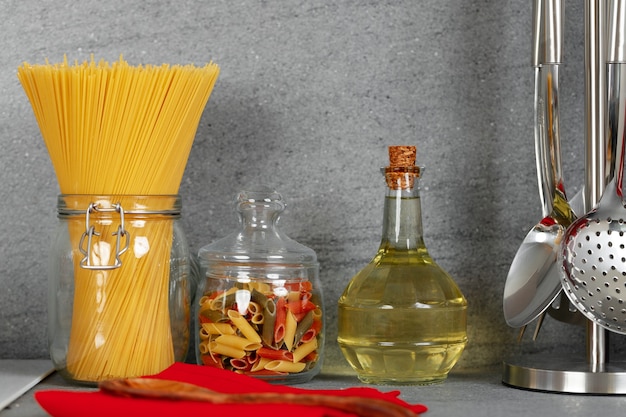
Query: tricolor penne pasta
[
  {"x": 257, "y": 318},
  {"x": 259, "y": 365},
  {"x": 285, "y": 366},
  {"x": 303, "y": 325},
  {"x": 217, "y": 328},
  {"x": 290, "y": 330},
  {"x": 240, "y": 364},
  {"x": 254, "y": 308},
  {"x": 275, "y": 354},
  {"x": 304, "y": 349},
  {"x": 226, "y": 350},
  {"x": 269, "y": 321},
  {"x": 244, "y": 327},
  {"x": 281, "y": 317},
  {"x": 272, "y": 332},
  {"x": 224, "y": 299},
  {"x": 237, "y": 342}
]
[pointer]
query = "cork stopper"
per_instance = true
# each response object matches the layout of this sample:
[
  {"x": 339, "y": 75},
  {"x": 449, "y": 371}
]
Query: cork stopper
[
  {"x": 402, "y": 156},
  {"x": 402, "y": 171}
]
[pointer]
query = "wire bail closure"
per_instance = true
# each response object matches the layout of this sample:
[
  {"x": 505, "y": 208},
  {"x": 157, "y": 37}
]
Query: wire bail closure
[{"x": 90, "y": 232}]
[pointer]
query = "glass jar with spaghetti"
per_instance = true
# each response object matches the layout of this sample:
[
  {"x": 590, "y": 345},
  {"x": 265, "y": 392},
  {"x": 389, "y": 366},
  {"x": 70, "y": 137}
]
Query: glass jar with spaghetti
[
  {"x": 259, "y": 304},
  {"x": 119, "y": 299}
]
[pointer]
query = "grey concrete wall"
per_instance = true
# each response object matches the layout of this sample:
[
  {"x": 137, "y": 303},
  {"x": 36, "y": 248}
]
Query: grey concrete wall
[{"x": 310, "y": 95}]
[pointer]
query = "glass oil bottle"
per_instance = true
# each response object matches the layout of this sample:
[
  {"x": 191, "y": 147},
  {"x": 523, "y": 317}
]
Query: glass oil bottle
[{"x": 402, "y": 319}]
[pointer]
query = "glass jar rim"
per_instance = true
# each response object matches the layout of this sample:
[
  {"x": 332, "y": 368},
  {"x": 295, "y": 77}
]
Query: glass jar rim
[
  {"x": 261, "y": 271},
  {"x": 163, "y": 204}
]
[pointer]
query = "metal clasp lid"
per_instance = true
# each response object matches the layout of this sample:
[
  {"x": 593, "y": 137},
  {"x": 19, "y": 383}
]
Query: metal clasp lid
[{"x": 90, "y": 232}]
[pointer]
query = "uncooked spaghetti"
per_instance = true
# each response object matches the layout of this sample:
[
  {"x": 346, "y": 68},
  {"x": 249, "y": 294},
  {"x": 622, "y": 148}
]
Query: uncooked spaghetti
[{"x": 119, "y": 130}]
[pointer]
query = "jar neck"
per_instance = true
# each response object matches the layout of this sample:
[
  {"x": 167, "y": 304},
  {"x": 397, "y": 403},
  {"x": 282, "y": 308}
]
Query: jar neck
[
  {"x": 259, "y": 218},
  {"x": 402, "y": 221},
  {"x": 259, "y": 208}
]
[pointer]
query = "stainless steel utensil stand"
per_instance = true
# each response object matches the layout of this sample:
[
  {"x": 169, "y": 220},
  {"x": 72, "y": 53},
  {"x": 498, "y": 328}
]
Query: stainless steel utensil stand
[{"x": 593, "y": 374}]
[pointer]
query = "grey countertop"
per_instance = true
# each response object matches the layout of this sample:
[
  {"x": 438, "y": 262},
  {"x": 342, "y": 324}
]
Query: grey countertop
[{"x": 465, "y": 393}]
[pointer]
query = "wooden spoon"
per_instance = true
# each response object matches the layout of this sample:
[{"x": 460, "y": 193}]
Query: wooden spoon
[{"x": 182, "y": 391}]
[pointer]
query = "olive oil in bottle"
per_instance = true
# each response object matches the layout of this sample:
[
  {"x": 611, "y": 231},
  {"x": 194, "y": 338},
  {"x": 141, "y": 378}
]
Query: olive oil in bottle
[{"x": 402, "y": 319}]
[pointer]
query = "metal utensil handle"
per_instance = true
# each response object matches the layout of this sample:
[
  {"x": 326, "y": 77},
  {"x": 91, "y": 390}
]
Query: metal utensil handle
[
  {"x": 550, "y": 141},
  {"x": 547, "y": 56},
  {"x": 616, "y": 91},
  {"x": 538, "y": 122},
  {"x": 537, "y": 46},
  {"x": 552, "y": 32},
  {"x": 616, "y": 100},
  {"x": 543, "y": 179},
  {"x": 595, "y": 102}
]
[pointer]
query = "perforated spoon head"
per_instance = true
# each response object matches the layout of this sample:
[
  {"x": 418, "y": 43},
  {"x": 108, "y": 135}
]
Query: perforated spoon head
[{"x": 593, "y": 261}]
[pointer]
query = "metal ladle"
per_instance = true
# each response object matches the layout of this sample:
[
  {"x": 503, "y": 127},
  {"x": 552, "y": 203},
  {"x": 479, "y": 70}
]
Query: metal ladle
[
  {"x": 593, "y": 253},
  {"x": 533, "y": 281}
]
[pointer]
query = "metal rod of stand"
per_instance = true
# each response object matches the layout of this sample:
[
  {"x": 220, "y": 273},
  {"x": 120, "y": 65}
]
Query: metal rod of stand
[
  {"x": 597, "y": 356},
  {"x": 595, "y": 152}
]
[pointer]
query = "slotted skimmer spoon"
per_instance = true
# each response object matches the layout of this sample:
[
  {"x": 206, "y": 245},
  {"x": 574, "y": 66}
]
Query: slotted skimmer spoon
[
  {"x": 533, "y": 281},
  {"x": 593, "y": 252}
]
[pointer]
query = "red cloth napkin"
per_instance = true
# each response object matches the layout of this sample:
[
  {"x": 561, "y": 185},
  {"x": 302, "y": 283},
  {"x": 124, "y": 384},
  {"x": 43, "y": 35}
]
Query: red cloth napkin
[{"x": 63, "y": 403}]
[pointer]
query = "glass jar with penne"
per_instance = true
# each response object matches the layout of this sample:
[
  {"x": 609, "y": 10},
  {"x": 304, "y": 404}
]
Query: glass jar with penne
[{"x": 259, "y": 308}]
